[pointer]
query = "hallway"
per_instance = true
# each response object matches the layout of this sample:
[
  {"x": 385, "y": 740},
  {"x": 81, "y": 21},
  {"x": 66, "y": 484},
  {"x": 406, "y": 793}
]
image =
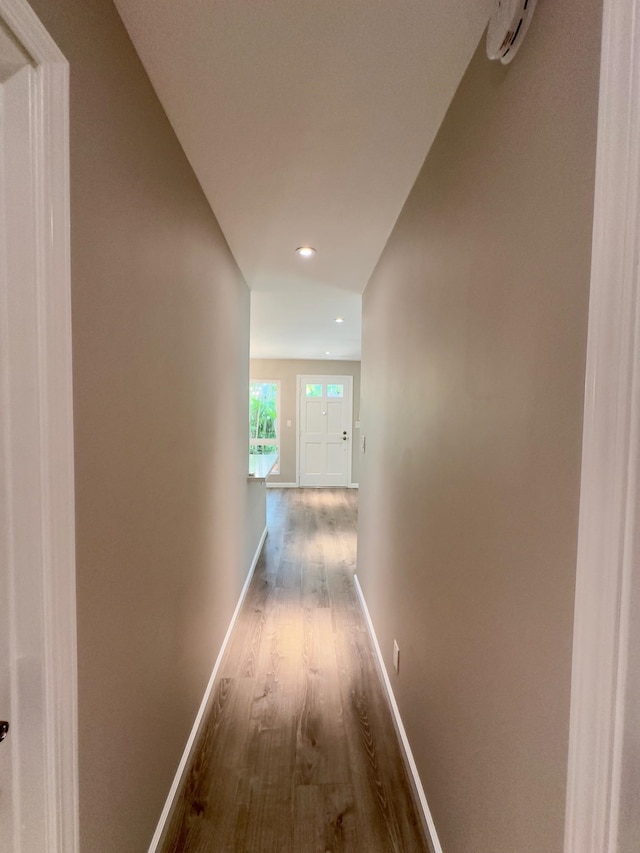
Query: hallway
[{"x": 298, "y": 753}]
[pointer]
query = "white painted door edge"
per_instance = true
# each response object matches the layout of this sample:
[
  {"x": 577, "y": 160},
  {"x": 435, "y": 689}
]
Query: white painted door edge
[
  {"x": 427, "y": 819},
  {"x": 193, "y": 736},
  {"x": 608, "y": 528},
  {"x": 55, "y": 451}
]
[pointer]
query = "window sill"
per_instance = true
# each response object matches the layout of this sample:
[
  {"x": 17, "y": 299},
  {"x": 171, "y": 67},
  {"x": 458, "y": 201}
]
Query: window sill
[{"x": 261, "y": 466}]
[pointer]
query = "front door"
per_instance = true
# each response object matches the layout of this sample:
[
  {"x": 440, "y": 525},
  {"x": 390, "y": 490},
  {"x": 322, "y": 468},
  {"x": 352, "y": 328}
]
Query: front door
[{"x": 324, "y": 430}]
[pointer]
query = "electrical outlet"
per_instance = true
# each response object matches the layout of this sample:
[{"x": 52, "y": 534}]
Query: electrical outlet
[{"x": 396, "y": 656}]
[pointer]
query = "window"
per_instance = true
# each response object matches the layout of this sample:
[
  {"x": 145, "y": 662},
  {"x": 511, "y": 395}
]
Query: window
[
  {"x": 335, "y": 391},
  {"x": 264, "y": 405},
  {"x": 314, "y": 390}
]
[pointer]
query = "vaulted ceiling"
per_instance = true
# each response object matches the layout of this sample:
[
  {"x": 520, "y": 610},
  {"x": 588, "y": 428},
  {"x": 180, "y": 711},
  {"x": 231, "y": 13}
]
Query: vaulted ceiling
[{"x": 306, "y": 123}]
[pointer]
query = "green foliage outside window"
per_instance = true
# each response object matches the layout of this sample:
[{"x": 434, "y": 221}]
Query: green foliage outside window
[
  {"x": 263, "y": 415},
  {"x": 262, "y": 450}
]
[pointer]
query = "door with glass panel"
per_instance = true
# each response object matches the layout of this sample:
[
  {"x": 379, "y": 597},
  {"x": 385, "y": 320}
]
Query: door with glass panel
[{"x": 324, "y": 430}]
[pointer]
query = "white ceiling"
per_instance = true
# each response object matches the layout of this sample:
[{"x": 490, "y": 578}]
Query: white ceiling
[{"x": 306, "y": 123}]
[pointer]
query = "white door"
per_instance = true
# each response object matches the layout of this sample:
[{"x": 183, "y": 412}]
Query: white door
[
  {"x": 38, "y": 775},
  {"x": 324, "y": 430}
]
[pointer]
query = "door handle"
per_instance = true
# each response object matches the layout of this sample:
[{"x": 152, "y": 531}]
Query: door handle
[{"x": 4, "y": 729}]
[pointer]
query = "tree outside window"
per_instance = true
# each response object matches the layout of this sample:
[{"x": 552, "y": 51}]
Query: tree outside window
[{"x": 264, "y": 402}]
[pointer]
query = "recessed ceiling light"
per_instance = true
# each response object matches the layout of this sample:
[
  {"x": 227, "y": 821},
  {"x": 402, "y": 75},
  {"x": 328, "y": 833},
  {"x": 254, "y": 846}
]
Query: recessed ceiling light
[
  {"x": 339, "y": 320},
  {"x": 305, "y": 251},
  {"x": 327, "y": 352}
]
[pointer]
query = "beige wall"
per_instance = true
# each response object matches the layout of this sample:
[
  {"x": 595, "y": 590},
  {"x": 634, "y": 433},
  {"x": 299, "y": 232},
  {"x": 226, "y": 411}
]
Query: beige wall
[
  {"x": 160, "y": 348},
  {"x": 286, "y": 370},
  {"x": 256, "y": 517},
  {"x": 473, "y": 369}
]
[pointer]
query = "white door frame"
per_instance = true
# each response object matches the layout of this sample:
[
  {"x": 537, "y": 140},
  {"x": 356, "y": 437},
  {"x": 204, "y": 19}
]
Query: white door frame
[
  {"x": 323, "y": 377},
  {"x": 609, "y": 530},
  {"x": 52, "y": 513}
]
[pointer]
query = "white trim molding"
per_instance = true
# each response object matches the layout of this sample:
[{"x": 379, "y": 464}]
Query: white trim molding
[
  {"x": 608, "y": 530},
  {"x": 427, "y": 819},
  {"x": 53, "y": 509},
  {"x": 154, "y": 847},
  {"x": 252, "y": 569}
]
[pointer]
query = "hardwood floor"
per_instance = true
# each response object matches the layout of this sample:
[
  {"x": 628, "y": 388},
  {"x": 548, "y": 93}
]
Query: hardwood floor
[{"x": 298, "y": 753}]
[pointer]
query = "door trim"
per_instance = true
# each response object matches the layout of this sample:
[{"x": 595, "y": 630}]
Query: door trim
[
  {"x": 55, "y": 512},
  {"x": 321, "y": 377},
  {"x": 608, "y": 528}
]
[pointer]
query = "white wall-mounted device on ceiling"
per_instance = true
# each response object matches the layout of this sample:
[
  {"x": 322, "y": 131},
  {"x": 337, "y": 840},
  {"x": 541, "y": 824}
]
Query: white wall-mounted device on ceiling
[{"x": 507, "y": 28}]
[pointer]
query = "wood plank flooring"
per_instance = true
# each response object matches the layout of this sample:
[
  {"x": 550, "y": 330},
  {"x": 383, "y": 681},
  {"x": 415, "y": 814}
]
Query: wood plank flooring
[{"x": 298, "y": 753}]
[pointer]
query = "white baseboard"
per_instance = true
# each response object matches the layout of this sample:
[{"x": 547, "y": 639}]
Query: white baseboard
[
  {"x": 296, "y": 486},
  {"x": 153, "y": 847},
  {"x": 432, "y": 835},
  {"x": 252, "y": 569}
]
